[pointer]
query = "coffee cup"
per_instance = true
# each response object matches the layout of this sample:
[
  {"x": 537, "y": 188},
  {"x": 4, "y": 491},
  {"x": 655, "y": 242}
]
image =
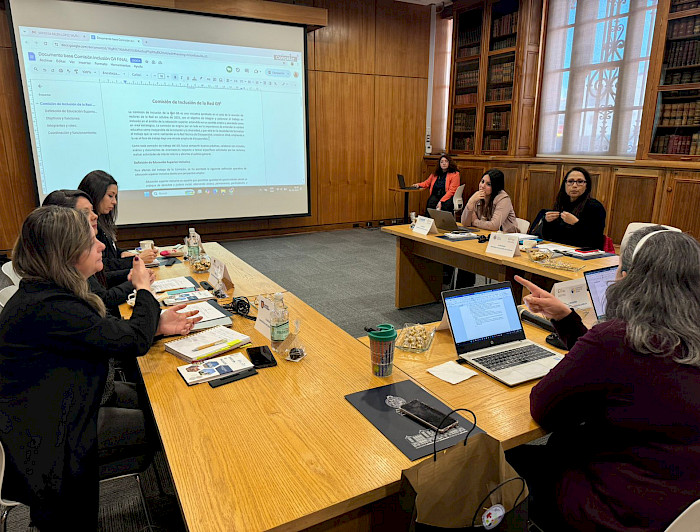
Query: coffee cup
[
  {"x": 529, "y": 243},
  {"x": 131, "y": 299},
  {"x": 146, "y": 244}
]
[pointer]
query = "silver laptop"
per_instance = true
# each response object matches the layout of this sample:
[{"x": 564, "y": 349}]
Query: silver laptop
[
  {"x": 445, "y": 222},
  {"x": 488, "y": 334},
  {"x": 598, "y": 282}
]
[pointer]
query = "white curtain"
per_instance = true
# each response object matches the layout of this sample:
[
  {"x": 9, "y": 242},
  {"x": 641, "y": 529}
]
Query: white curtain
[{"x": 595, "y": 71}]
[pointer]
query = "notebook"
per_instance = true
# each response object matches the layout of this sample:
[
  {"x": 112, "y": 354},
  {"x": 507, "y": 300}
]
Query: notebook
[
  {"x": 402, "y": 182},
  {"x": 212, "y": 313},
  {"x": 174, "y": 283},
  {"x": 445, "y": 222},
  {"x": 598, "y": 282},
  {"x": 488, "y": 334},
  {"x": 207, "y": 344}
]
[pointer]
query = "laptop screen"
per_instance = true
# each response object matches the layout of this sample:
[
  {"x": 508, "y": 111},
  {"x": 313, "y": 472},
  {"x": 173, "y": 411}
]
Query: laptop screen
[
  {"x": 598, "y": 282},
  {"x": 483, "y": 316}
]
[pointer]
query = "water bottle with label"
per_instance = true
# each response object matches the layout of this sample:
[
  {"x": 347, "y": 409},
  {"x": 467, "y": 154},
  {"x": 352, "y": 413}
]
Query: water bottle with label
[
  {"x": 279, "y": 321},
  {"x": 193, "y": 243}
]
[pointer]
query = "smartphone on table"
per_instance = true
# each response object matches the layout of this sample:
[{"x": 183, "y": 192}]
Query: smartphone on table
[
  {"x": 261, "y": 357},
  {"x": 427, "y": 416}
]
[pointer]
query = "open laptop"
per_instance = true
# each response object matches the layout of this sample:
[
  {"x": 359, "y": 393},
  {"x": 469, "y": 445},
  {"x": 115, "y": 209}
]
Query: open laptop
[
  {"x": 488, "y": 334},
  {"x": 445, "y": 222},
  {"x": 598, "y": 282},
  {"x": 402, "y": 182}
]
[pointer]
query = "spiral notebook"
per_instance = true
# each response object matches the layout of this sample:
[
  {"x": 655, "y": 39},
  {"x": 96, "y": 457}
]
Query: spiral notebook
[{"x": 207, "y": 344}]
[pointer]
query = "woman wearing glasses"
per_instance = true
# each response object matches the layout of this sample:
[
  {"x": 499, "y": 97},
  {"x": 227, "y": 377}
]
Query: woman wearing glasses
[{"x": 577, "y": 219}]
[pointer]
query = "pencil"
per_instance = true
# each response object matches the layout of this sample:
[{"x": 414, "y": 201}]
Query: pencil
[{"x": 205, "y": 346}]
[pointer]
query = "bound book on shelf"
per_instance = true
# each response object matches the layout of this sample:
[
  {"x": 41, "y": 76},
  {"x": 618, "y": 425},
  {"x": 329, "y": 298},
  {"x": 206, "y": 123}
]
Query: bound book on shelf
[
  {"x": 212, "y": 314},
  {"x": 214, "y": 368},
  {"x": 207, "y": 344}
]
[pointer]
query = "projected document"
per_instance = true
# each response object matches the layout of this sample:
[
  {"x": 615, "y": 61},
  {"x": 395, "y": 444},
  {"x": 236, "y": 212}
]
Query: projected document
[{"x": 168, "y": 119}]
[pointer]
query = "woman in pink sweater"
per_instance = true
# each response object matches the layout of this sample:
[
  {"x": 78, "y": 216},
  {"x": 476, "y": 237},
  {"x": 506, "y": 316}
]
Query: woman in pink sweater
[
  {"x": 443, "y": 183},
  {"x": 490, "y": 207}
]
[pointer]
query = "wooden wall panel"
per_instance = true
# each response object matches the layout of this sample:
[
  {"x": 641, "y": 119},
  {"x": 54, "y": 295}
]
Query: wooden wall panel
[
  {"x": 402, "y": 39},
  {"x": 600, "y": 177},
  {"x": 347, "y": 43},
  {"x": 345, "y": 151},
  {"x": 19, "y": 192},
  {"x": 399, "y": 120},
  {"x": 511, "y": 183},
  {"x": 681, "y": 197},
  {"x": 633, "y": 199},
  {"x": 313, "y": 219},
  {"x": 541, "y": 185},
  {"x": 470, "y": 175}
]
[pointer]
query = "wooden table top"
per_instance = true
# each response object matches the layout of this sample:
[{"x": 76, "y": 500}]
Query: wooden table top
[
  {"x": 282, "y": 448},
  {"x": 502, "y": 411},
  {"x": 473, "y": 248}
]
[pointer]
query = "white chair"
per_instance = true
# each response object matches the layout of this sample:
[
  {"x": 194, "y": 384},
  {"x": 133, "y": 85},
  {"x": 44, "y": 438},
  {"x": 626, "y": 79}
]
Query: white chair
[
  {"x": 523, "y": 225},
  {"x": 457, "y": 199},
  {"x": 7, "y": 270},
  {"x": 7, "y": 505},
  {"x": 635, "y": 226},
  {"x": 688, "y": 521},
  {"x": 5, "y": 295}
]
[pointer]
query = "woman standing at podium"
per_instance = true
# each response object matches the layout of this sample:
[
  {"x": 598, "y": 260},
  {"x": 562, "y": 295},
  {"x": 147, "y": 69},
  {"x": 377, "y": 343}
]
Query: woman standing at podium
[{"x": 443, "y": 183}]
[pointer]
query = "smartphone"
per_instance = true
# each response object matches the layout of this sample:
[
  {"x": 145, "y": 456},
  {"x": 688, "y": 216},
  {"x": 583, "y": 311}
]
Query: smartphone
[
  {"x": 261, "y": 357},
  {"x": 427, "y": 415}
]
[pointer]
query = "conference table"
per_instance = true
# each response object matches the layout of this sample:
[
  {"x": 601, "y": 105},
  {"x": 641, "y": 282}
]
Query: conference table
[
  {"x": 420, "y": 260},
  {"x": 283, "y": 449}
]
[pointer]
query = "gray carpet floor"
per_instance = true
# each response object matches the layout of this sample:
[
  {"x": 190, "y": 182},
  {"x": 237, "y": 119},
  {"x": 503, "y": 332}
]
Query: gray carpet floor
[{"x": 348, "y": 276}]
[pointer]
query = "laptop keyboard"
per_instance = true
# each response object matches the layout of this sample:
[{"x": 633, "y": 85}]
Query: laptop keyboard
[{"x": 513, "y": 357}]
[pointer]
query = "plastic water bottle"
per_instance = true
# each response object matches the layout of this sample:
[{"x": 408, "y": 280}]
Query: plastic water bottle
[
  {"x": 193, "y": 243},
  {"x": 279, "y": 321}
]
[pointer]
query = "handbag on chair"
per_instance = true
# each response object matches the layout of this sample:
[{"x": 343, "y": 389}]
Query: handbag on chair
[{"x": 467, "y": 487}]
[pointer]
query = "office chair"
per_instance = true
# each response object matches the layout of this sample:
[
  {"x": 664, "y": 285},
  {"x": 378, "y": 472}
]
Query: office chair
[
  {"x": 523, "y": 225},
  {"x": 688, "y": 520},
  {"x": 10, "y": 272},
  {"x": 7, "y": 505},
  {"x": 5, "y": 295},
  {"x": 458, "y": 200}
]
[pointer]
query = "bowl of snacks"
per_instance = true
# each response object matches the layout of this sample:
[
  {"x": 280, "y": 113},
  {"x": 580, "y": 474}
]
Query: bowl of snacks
[
  {"x": 201, "y": 264},
  {"x": 538, "y": 254},
  {"x": 415, "y": 338}
]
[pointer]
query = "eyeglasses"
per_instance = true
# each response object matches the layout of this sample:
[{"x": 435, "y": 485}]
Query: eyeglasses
[{"x": 572, "y": 182}]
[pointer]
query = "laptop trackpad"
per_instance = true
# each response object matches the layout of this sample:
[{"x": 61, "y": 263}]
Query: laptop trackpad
[{"x": 550, "y": 362}]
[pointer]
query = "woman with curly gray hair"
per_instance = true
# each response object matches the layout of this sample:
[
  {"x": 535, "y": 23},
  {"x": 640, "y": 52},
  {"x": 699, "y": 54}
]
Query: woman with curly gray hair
[{"x": 624, "y": 403}]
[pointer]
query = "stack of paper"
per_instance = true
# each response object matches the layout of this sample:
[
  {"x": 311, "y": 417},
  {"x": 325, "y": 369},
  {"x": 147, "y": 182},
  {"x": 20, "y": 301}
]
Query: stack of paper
[
  {"x": 207, "y": 344},
  {"x": 214, "y": 369}
]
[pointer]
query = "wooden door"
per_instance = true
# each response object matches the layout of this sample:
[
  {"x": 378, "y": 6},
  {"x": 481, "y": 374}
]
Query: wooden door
[{"x": 681, "y": 199}]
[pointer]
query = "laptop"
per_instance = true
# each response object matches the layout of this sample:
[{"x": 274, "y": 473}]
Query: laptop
[
  {"x": 402, "y": 182},
  {"x": 598, "y": 282},
  {"x": 445, "y": 222},
  {"x": 488, "y": 334}
]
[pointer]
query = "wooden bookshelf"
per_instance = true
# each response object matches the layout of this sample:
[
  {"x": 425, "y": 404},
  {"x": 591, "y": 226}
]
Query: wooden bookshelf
[
  {"x": 673, "y": 93},
  {"x": 484, "y": 76}
]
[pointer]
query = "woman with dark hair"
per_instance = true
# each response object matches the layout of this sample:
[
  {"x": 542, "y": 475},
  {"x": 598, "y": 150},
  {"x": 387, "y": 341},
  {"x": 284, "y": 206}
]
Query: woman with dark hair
[
  {"x": 490, "y": 207},
  {"x": 577, "y": 219},
  {"x": 55, "y": 342},
  {"x": 103, "y": 192},
  {"x": 624, "y": 403},
  {"x": 113, "y": 286},
  {"x": 443, "y": 183}
]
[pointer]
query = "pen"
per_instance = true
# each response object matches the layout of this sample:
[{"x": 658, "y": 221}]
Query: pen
[{"x": 205, "y": 346}]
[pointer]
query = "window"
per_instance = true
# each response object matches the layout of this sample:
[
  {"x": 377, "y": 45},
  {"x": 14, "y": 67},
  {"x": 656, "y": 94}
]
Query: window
[{"x": 595, "y": 71}]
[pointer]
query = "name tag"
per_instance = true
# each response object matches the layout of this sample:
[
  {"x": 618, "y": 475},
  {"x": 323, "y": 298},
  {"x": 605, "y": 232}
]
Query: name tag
[
  {"x": 504, "y": 244},
  {"x": 262, "y": 322},
  {"x": 424, "y": 225},
  {"x": 574, "y": 293}
]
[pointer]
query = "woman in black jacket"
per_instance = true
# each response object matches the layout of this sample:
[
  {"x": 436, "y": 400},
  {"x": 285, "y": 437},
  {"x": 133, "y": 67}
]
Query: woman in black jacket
[
  {"x": 103, "y": 192},
  {"x": 577, "y": 219},
  {"x": 55, "y": 341}
]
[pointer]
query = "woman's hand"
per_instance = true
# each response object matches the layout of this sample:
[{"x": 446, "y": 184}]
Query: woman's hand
[
  {"x": 569, "y": 218},
  {"x": 140, "y": 277},
  {"x": 174, "y": 322},
  {"x": 542, "y": 302},
  {"x": 476, "y": 198},
  {"x": 550, "y": 216},
  {"x": 439, "y": 206},
  {"x": 148, "y": 255},
  {"x": 126, "y": 254}
]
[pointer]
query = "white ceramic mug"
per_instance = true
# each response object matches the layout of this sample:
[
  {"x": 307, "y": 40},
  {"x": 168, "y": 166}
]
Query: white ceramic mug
[
  {"x": 146, "y": 244},
  {"x": 131, "y": 300},
  {"x": 529, "y": 243}
]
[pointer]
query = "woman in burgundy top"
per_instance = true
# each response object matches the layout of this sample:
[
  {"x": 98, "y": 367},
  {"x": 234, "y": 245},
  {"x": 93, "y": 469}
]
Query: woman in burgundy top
[{"x": 624, "y": 404}]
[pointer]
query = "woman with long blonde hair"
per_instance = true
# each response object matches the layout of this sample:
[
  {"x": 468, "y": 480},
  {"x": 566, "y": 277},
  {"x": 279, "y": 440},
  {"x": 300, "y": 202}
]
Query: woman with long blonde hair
[{"x": 55, "y": 342}]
